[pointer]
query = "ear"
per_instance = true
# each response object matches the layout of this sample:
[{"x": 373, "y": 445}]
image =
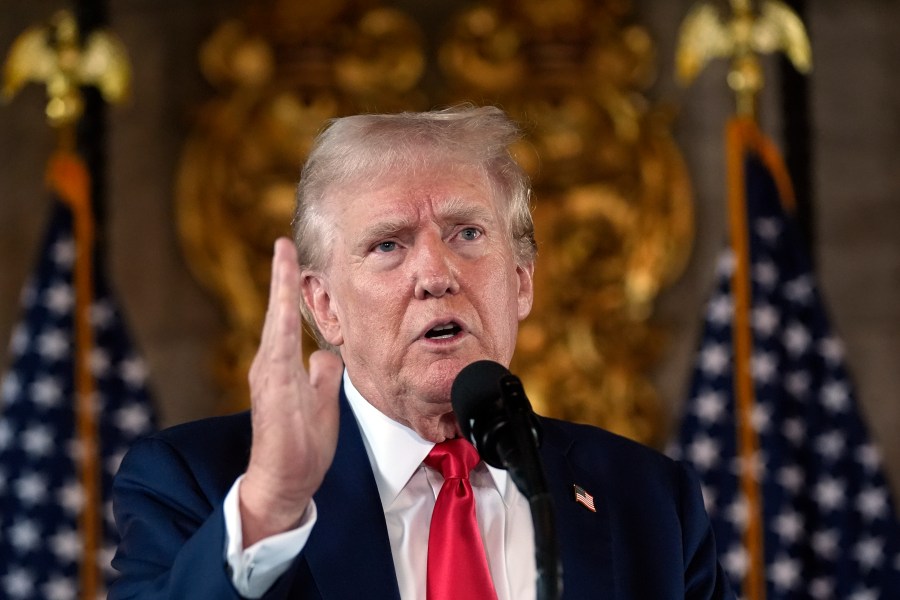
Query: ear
[
  {"x": 316, "y": 295},
  {"x": 525, "y": 274}
]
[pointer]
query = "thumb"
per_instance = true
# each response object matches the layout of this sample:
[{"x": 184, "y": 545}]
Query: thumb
[{"x": 325, "y": 369}]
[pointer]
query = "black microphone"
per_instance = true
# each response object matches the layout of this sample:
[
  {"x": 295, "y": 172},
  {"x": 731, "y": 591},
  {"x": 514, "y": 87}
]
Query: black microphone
[{"x": 496, "y": 416}]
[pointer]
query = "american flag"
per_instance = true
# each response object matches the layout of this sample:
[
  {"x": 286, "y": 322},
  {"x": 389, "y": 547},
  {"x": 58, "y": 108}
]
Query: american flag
[
  {"x": 41, "y": 495},
  {"x": 583, "y": 498},
  {"x": 828, "y": 526}
]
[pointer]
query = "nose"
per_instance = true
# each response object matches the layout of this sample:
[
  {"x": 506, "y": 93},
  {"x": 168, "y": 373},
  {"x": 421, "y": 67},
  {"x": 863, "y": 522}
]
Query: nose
[{"x": 434, "y": 270}]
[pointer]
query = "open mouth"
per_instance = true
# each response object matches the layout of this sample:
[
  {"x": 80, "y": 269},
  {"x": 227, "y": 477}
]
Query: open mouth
[{"x": 443, "y": 332}]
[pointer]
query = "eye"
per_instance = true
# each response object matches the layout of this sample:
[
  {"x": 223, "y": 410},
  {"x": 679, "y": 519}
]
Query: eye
[
  {"x": 386, "y": 247},
  {"x": 469, "y": 234}
]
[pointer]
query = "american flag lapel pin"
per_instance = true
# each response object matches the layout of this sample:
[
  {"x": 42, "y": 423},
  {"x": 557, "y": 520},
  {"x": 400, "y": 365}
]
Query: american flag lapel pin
[{"x": 583, "y": 498}]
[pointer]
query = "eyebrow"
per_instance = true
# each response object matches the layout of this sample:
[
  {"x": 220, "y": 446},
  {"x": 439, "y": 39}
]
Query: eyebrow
[
  {"x": 386, "y": 228},
  {"x": 457, "y": 210},
  {"x": 454, "y": 210}
]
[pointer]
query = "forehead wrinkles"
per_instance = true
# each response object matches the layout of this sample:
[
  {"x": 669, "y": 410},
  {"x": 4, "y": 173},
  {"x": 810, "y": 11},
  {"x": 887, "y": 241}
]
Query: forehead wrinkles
[{"x": 404, "y": 196}]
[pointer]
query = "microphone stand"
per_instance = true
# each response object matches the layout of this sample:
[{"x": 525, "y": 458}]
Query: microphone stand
[{"x": 525, "y": 468}]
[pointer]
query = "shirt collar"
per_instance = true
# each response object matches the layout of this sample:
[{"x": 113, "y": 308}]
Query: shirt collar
[{"x": 395, "y": 451}]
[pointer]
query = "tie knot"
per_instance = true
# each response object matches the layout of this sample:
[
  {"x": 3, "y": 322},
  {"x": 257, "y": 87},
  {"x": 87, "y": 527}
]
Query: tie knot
[{"x": 453, "y": 458}]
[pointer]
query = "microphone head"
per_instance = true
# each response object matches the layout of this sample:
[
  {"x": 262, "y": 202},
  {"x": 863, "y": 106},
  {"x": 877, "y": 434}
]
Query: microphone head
[
  {"x": 476, "y": 392},
  {"x": 493, "y": 412}
]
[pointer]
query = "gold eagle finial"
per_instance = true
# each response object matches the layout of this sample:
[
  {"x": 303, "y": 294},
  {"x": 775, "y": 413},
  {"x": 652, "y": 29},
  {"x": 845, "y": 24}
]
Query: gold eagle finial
[
  {"x": 53, "y": 55},
  {"x": 705, "y": 35}
]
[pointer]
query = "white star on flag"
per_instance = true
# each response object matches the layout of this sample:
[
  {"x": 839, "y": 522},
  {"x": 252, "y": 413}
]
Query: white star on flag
[
  {"x": 721, "y": 310},
  {"x": 789, "y": 525},
  {"x": 710, "y": 406},
  {"x": 821, "y": 588},
  {"x": 59, "y": 298},
  {"x": 714, "y": 359},
  {"x": 826, "y": 543},
  {"x": 797, "y": 339},
  {"x": 53, "y": 345},
  {"x": 872, "y": 503},
  {"x": 785, "y": 573},
  {"x": 66, "y": 545},
  {"x": 25, "y": 535},
  {"x": 18, "y": 584},
  {"x": 60, "y": 588},
  {"x": 735, "y": 561},
  {"x": 765, "y": 274},
  {"x": 765, "y": 320},
  {"x": 704, "y": 452}
]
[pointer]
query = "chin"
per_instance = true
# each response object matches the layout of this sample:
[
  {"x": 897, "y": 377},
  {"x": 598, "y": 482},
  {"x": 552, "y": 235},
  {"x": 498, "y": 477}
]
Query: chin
[
  {"x": 450, "y": 427},
  {"x": 434, "y": 379},
  {"x": 437, "y": 394}
]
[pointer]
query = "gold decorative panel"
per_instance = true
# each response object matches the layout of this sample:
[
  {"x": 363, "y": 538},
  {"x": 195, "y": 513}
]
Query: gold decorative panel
[{"x": 613, "y": 211}]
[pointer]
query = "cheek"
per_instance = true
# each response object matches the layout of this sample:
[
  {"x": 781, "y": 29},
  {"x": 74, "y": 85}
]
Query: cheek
[
  {"x": 507, "y": 313},
  {"x": 374, "y": 308}
]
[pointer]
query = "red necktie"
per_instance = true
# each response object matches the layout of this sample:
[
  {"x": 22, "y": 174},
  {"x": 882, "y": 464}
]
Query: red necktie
[{"x": 457, "y": 565}]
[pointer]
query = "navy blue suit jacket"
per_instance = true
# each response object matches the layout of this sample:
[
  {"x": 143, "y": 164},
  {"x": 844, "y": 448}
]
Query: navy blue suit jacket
[{"x": 649, "y": 539}]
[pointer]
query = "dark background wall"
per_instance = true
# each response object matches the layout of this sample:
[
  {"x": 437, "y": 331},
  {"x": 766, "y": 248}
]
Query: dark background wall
[{"x": 855, "y": 121}]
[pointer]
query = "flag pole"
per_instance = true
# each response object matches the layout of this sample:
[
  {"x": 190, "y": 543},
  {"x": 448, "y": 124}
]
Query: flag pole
[
  {"x": 70, "y": 180},
  {"x": 748, "y": 440}
]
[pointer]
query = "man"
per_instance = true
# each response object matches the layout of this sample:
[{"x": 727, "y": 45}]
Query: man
[{"x": 414, "y": 257}]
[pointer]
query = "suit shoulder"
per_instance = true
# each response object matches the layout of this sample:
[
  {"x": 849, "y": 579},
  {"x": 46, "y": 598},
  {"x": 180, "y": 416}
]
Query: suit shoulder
[
  {"x": 211, "y": 430},
  {"x": 579, "y": 435},
  {"x": 211, "y": 439},
  {"x": 598, "y": 448},
  {"x": 635, "y": 478},
  {"x": 214, "y": 450}
]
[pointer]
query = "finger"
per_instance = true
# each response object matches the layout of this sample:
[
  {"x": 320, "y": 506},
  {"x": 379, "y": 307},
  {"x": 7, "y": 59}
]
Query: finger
[
  {"x": 274, "y": 281},
  {"x": 287, "y": 330},
  {"x": 279, "y": 357}
]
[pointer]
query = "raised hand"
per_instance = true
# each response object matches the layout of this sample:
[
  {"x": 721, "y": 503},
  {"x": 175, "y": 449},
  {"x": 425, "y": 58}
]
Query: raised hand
[{"x": 295, "y": 413}]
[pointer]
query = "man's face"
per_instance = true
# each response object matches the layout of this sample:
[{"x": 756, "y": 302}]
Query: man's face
[{"x": 422, "y": 281}]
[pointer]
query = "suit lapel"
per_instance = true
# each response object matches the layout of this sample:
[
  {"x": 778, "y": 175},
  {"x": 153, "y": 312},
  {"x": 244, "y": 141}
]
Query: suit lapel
[
  {"x": 584, "y": 536},
  {"x": 348, "y": 552}
]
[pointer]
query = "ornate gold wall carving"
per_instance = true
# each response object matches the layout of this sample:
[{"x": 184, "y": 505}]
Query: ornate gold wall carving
[{"x": 613, "y": 210}]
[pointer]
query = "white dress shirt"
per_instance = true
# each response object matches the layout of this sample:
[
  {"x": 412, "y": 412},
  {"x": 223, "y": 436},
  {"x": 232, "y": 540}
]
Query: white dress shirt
[{"x": 408, "y": 490}]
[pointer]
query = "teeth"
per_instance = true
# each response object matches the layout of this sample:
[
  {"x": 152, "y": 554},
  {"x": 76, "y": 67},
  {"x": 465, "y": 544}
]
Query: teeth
[{"x": 442, "y": 331}]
